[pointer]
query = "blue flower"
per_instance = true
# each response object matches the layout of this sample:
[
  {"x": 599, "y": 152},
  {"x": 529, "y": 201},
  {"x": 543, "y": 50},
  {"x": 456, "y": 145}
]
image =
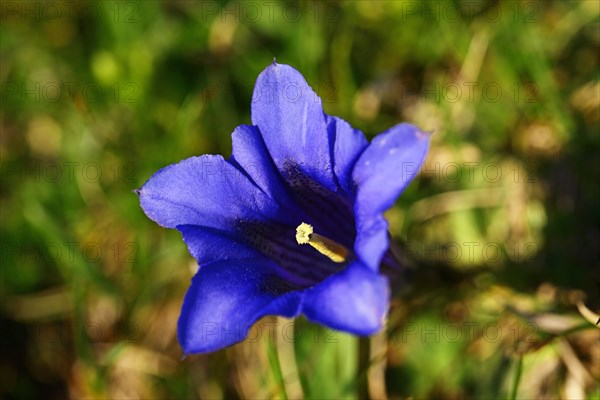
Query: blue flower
[{"x": 292, "y": 223}]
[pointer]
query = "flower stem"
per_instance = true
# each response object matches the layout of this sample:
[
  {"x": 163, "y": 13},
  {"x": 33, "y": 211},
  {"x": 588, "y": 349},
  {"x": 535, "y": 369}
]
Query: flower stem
[
  {"x": 517, "y": 378},
  {"x": 276, "y": 368}
]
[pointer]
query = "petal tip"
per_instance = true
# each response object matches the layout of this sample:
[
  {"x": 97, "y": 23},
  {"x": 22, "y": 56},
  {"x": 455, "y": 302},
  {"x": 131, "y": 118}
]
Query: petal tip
[{"x": 425, "y": 134}]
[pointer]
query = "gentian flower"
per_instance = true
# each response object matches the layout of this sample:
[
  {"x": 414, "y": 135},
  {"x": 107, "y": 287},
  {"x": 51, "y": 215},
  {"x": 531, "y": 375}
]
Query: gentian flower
[{"x": 292, "y": 223}]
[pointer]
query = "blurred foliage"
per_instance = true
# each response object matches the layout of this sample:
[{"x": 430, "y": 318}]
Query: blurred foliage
[{"x": 500, "y": 231}]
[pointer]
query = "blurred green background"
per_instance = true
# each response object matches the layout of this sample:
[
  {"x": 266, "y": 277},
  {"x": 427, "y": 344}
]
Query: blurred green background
[{"x": 500, "y": 230}]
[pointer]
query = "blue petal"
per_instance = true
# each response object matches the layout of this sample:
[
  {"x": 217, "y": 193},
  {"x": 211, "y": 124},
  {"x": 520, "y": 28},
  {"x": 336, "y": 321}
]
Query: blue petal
[
  {"x": 349, "y": 143},
  {"x": 300, "y": 266},
  {"x": 208, "y": 245},
  {"x": 226, "y": 298},
  {"x": 206, "y": 191},
  {"x": 354, "y": 300},
  {"x": 381, "y": 173},
  {"x": 250, "y": 153},
  {"x": 290, "y": 117}
]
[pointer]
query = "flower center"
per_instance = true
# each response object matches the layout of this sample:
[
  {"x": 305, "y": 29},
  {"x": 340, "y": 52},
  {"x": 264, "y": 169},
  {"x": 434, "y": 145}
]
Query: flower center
[{"x": 330, "y": 248}]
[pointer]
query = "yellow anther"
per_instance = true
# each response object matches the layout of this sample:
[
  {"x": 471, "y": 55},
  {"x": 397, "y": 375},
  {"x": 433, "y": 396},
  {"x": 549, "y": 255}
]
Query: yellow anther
[{"x": 332, "y": 249}]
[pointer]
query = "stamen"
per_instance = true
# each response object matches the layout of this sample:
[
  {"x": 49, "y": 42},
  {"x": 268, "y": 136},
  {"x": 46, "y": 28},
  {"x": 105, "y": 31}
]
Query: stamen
[{"x": 332, "y": 249}]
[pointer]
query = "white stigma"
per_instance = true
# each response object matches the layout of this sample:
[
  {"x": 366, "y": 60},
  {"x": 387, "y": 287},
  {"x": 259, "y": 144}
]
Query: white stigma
[{"x": 330, "y": 248}]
